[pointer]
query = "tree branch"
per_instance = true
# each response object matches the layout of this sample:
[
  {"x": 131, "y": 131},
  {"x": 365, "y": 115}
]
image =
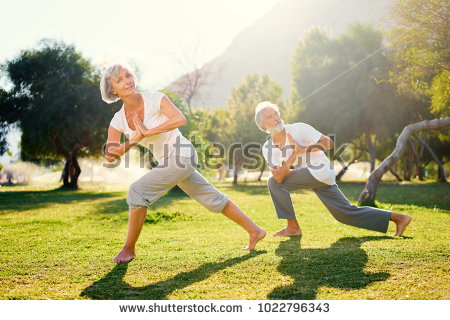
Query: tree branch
[{"x": 368, "y": 195}]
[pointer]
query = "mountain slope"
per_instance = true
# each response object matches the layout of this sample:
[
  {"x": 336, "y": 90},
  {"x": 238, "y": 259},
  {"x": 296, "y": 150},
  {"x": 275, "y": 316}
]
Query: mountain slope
[{"x": 269, "y": 43}]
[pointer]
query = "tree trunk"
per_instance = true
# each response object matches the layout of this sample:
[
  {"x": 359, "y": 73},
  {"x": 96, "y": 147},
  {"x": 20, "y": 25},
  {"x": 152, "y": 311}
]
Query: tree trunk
[
  {"x": 372, "y": 151},
  {"x": 344, "y": 170},
  {"x": 416, "y": 160},
  {"x": 435, "y": 158},
  {"x": 76, "y": 172},
  {"x": 369, "y": 193},
  {"x": 356, "y": 157},
  {"x": 262, "y": 170},
  {"x": 408, "y": 166},
  {"x": 396, "y": 175},
  {"x": 66, "y": 173},
  {"x": 237, "y": 164}
]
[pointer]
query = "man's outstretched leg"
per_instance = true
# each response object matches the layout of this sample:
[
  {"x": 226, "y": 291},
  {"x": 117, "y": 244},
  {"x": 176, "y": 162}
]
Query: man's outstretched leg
[
  {"x": 135, "y": 223},
  {"x": 292, "y": 229},
  {"x": 361, "y": 217}
]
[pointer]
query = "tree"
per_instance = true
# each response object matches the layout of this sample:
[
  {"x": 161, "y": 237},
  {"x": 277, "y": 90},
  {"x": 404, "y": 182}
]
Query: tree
[
  {"x": 4, "y": 124},
  {"x": 196, "y": 77},
  {"x": 242, "y": 102},
  {"x": 57, "y": 104},
  {"x": 422, "y": 49},
  {"x": 421, "y": 40},
  {"x": 367, "y": 197},
  {"x": 340, "y": 99}
]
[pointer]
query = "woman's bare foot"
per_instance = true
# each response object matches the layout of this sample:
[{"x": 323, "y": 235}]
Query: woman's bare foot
[
  {"x": 254, "y": 238},
  {"x": 287, "y": 232},
  {"x": 402, "y": 222},
  {"x": 125, "y": 255}
]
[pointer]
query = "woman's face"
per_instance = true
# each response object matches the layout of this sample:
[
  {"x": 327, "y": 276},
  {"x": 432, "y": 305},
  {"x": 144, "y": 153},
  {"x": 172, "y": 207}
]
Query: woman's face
[{"x": 123, "y": 85}]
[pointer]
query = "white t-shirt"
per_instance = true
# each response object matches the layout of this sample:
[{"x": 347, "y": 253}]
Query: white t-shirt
[
  {"x": 316, "y": 161},
  {"x": 161, "y": 145}
]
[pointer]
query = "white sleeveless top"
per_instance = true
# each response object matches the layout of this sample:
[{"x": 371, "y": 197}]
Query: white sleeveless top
[{"x": 160, "y": 145}]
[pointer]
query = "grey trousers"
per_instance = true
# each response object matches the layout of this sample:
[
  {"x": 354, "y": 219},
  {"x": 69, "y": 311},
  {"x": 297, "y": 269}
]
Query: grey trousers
[
  {"x": 175, "y": 170},
  {"x": 333, "y": 199}
]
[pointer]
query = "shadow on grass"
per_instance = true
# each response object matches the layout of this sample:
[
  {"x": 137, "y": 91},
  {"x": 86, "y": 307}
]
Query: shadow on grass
[
  {"x": 23, "y": 200},
  {"x": 112, "y": 207},
  {"x": 430, "y": 195},
  {"x": 248, "y": 189},
  {"x": 254, "y": 190},
  {"x": 340, "y": 266},
  {"x": 112, "y": 286}
]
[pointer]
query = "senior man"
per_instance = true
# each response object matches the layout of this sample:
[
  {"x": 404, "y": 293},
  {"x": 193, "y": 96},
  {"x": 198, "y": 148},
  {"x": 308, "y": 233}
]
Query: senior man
[{"x": 297, "y": 161}]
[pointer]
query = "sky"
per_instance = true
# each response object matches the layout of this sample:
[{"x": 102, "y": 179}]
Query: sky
[{"x": 152, "y": 35}]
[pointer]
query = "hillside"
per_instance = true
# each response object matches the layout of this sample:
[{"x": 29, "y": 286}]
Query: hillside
[{"x": 269, "y": 43}]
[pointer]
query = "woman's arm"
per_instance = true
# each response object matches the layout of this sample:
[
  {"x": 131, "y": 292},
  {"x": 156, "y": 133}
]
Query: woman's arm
[
  {"x": 114, "y": 149},
  {"x": 175, "y": 119}
]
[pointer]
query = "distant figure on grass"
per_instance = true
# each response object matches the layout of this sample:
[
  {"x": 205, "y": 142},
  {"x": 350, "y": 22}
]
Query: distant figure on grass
[
  {"x": 311, "y": 169},
  {"x": 151, "y": 120}
]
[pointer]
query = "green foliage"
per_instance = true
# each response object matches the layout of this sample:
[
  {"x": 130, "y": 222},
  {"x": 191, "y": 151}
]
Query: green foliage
[
  {"x": 440, "y": 94},
  {"x": 422, "y": 53},
  {"x": 244, "y": 98},
  {"x": 354, "y": 97},
  {"x": 55, "y": 100},
  {"x": 341, "y": 83},
  {"x": 156, "y": 217},
  {"x": 221, "y": 126},
  {"x": 197, "y": 122}
]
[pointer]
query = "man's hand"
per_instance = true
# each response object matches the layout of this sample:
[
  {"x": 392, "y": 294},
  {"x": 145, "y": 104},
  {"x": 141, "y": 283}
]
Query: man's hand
[{"x": 297, "y": 149}]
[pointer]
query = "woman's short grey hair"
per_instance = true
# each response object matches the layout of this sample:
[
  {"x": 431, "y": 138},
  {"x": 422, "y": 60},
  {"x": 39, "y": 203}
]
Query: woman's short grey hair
[
  {"x": 259, "y": 113},
  {"x": 106, "y": 84}
]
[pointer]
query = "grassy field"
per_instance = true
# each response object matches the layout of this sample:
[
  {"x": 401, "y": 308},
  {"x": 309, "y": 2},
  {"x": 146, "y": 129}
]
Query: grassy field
[{"x": 59, "y": 245}]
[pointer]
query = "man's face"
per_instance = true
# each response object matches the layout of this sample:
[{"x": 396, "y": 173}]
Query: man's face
[{"x": 272, "y": 121}]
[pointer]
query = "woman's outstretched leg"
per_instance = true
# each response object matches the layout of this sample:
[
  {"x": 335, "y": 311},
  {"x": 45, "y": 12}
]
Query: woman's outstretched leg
[
  {"x": 233, "y": 212},
  {"x": 135, "y": 223}
]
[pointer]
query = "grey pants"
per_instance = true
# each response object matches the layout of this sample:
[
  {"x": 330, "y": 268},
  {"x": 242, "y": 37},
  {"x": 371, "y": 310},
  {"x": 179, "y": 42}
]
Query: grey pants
[
  {"x": 175, "y": 170},
  {"x": 333, "y": 199}
]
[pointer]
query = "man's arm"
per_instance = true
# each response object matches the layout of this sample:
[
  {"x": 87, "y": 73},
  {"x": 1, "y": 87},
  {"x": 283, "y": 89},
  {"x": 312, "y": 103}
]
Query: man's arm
[
  {"x": 280, "y": 172},
  {"x": 323, "y": 144}
]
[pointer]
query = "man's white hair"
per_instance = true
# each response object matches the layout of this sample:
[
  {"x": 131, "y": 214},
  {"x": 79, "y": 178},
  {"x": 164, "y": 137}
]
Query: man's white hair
[
  {"x": 106, "y": 84},
  {"x": 259, "y": 113}
]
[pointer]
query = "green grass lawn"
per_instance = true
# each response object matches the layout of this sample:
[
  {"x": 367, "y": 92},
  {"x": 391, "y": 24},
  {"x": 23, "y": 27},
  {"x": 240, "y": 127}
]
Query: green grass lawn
[{"x": 59, "y": 245}]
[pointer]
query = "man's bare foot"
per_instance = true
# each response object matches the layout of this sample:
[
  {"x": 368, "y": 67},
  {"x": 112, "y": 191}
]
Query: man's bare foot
[
  {"x": 401, "y": 222},
  {"x": 254, "y": 238},
  {"x": 124, "y": 256},
  {"x": 287, "y": 232}
]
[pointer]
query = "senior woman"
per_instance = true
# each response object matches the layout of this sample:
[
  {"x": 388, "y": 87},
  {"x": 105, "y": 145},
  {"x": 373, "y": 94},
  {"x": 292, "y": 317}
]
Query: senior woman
[{"x": 151, "y": 120}]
